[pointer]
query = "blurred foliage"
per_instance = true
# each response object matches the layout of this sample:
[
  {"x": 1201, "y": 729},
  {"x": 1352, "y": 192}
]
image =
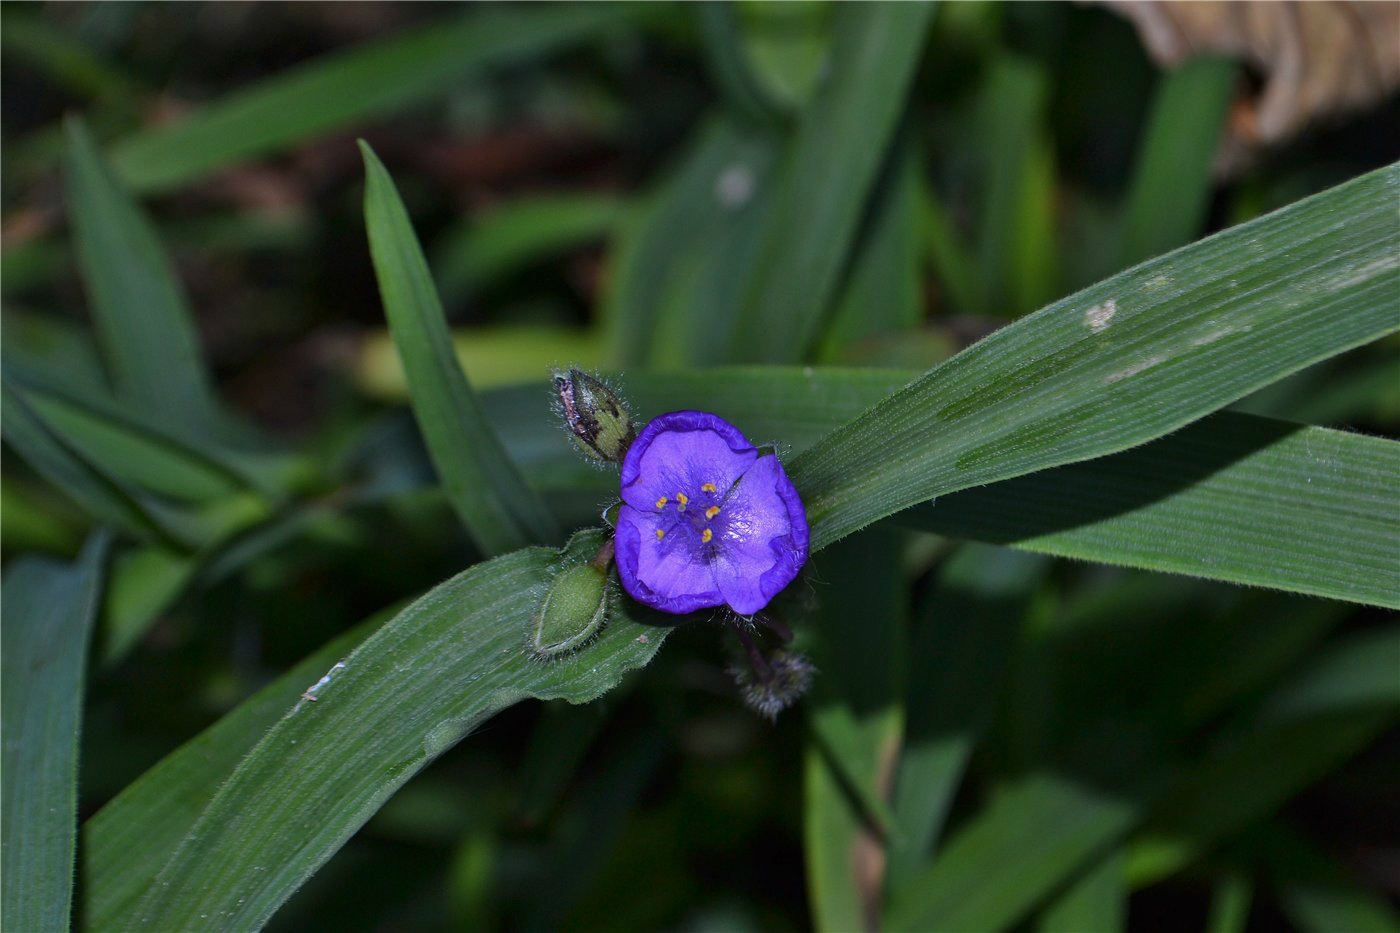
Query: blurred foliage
[{"x": 197, "y": 357}]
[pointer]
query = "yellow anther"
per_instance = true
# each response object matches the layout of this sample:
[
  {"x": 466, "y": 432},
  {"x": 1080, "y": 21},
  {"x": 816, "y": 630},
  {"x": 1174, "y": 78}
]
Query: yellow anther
[
  {"x": 682, "y": 498},
  {"x": 706, "y": 535},
  {"x": 708, "y": 487},
  {"x": 711, "y": 512},
  {"x": 660, "y": 533},
  {"x": 661, "y": 503}
]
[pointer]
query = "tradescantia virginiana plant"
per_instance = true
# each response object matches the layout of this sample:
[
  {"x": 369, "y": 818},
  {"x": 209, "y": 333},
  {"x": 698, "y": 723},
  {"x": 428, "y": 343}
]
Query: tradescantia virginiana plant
[
  {"x": 1090, "y": 429},
  {"x": 462, "y": 651}
]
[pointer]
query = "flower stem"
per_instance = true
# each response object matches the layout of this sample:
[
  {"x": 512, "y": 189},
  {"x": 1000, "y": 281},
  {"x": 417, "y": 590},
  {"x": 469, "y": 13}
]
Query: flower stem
[
  {"x": 776, "y": 626},
  {"x": 760, "y": 665}
]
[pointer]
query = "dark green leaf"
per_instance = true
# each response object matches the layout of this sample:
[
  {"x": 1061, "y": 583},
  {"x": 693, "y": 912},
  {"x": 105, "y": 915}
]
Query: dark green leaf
[
  {"x": 49, "y": 610},
  {"x": 345, "y": 87},
  {"x": 414, "y": 689},
  {"x": 962, "y": 646},
  {"x": 497, "y": 507},
  {"x": 1124, "y": 361},
  {"x": 128, "y": 841},
  {"x": 147, "y": 332},
  {"x": 856, "y": 722},
  {"x": 842, "y": 139},
  {"x": 1097, "y": 902}
]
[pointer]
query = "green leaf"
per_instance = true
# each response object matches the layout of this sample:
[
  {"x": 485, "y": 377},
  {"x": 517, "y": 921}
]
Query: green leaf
[
  {"x": 345, "y": 87},
  {"x": 1328, "y": 712},
  {"x": 838, "y": 846},
  {"x": 1034, "y": 835},
  {"x": 680, "y": 262},
  {"x": 728, "y": 61},
  {"x": 64, "y": 59},
  {"x": 883, "y": 293},
  {"x": 1315, "y": 892},
  {"x": 1192, "y": 502},
  {"x": 498, "y": 509},
  {"x": 962, "y": 646},
  {"x": 1232, "y": 497},
  {"x": 147, "y": 333},
  {"x": 1229, "y": 905},
  {"x": 128, "y": 841},
  {"x": 842, "y": 140},
  {"x": 87, "y": 485},
  {"x": 1096, "y": 903},
  {"x": 1083, "y": 802},
  {"x": 411, "y": 691},
  {"x": 1124, "y": 361},
  {"x": 49, "y": 609},
  {"x": 1016, "y": 229},
  {"x": 495, "y": 356},
  {"x": 856, "y": 720},
  {"x": 1171, "y": 184}
]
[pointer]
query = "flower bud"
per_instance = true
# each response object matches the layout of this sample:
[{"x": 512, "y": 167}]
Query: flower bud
[
  {"x": 783, "y": 679},
  {"x": 573, "y": 611},
  {"x": 597, "y": 418}
]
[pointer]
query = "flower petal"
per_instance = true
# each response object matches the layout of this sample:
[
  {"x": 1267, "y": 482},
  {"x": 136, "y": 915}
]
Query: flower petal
[
  {"x": 764, "y": 539},
  {"x": 666, "y": 575},
  {"x": 681, "y": 452}
]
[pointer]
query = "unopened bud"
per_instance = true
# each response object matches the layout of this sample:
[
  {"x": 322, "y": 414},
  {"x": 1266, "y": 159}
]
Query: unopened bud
[
  {"x": 597, "y": 418},
  {"x": 574, "y": 610},
  {"x": 783, "y": 679}
]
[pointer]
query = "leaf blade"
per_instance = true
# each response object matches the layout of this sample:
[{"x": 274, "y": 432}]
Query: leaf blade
[
  {"x": 1124, "y": 361},
  {"x": 339, "y": 89},
  {"x": 50, "y": 609},
  {"x": 841, "y": 141},
  {"x": 406, "y": 694},
  {"x": 146, "y": 329},
  {"x": 498, "y": 508}
]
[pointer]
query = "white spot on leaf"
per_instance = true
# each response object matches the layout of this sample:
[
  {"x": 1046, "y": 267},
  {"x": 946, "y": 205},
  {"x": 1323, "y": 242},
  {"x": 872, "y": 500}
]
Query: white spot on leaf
[
  {"x": 734, "y": 186},
  {"x": 1133, "y": 370},
  {"x": 1098, "y": 317}
]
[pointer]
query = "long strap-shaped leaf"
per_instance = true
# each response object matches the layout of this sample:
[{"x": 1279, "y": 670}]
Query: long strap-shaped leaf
[
  {"x": 406, "y": 695},
  {"x": 1124, "y": 361},
  {"x": 130, "y": 839},
  {"x": 499, "y": 510},
  {"x": 338, "y": 89},
  {"x": 1235, "y": 497},
  {"x": 842, "y": 138},
  {"x": 49, "y": 609},
  {"x": 146, "y": 330},
  {"x": 995, "y": 870}
]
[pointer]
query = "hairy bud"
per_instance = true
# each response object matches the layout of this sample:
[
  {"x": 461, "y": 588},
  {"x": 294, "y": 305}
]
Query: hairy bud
[{"x": 596, "y": 417}]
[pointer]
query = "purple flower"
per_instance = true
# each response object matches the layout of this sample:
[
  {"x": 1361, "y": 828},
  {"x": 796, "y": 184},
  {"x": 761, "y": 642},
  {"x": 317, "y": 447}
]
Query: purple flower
[{"x": 705, "y": 520}]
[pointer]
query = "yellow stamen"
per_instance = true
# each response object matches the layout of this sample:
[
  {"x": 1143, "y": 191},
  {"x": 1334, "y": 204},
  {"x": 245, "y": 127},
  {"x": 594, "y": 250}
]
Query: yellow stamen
[
  {"x": 708, "y": 487},
  {"x": 706, "y": 535},
  {"x": 660, "y": 533},
  {"x": 661, "y": 503},
  {"x": 711, "y": 512},
  {"x": 682, "y": 499}
]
